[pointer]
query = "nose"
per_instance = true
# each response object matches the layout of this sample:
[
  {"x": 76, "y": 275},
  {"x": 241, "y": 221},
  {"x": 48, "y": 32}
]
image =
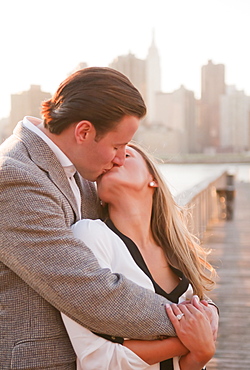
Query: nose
[{"x": 120, "y": 156}]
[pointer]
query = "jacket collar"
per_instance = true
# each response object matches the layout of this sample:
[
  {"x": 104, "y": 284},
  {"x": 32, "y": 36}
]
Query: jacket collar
[{"x": 41, "y": 154}]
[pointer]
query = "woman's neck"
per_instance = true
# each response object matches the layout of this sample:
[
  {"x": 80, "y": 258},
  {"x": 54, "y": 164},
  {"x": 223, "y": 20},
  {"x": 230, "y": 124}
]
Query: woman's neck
[{"x": 133, "y": 219}]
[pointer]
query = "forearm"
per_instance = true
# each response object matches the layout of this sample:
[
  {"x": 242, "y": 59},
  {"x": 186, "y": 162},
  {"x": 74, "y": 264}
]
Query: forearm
[
  {"x": 193, "y": 362},
  {"x": 158, "y": 350},
  {"x": 95, "y": 352}
]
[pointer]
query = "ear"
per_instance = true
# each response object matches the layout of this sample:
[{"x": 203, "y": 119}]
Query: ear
[{"x": 84, "y": 130}]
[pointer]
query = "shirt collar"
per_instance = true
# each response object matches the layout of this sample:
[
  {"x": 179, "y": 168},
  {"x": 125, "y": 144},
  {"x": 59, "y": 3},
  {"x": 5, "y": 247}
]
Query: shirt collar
[{"x": 70, "y": 171}]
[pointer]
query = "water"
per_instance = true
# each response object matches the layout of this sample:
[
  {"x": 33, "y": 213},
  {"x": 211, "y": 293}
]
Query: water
[{"x": 181, "y": 177}]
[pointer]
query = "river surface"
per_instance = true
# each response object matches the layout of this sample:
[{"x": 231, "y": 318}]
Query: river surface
[{"x": 181, "y": 177}]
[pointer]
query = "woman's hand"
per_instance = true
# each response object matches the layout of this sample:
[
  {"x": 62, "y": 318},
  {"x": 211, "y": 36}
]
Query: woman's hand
[
  {"x": 210, "y": 310},
  {"x": 193, "y": 328}
]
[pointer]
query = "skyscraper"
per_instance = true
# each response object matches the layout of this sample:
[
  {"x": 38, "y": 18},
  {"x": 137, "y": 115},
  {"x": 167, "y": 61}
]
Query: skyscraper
[
  {"x": 176, "y": 111},
  {"x": 235, "y": 121},
  {"x": 212, "y": 88},
  {"x": 133, "y": 68},
  {"x": 153, "y": 80},
  {"x": 144, "y": 74},
  {"x": 26, "y": 103}
]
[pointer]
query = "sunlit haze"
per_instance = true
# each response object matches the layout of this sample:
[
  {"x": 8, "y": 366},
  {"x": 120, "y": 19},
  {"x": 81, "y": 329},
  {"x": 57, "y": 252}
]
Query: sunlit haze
[{"x": 43, "y": 41}]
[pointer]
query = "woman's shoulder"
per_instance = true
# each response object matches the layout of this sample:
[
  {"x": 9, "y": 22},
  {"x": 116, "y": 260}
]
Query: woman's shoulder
[
  {"x": 87, "y": 224},
  {"x": 93, "y": 232},
  {"x": 91, "y": 227},
  {"x": 97, "y": 236}
]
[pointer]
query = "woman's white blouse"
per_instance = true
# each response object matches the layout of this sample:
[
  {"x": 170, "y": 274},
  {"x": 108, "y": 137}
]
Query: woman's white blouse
[{"x": 94, "y": 352}]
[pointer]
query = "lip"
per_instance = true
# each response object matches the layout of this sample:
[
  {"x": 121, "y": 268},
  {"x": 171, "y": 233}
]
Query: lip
[{"x": 103, "y": 173}]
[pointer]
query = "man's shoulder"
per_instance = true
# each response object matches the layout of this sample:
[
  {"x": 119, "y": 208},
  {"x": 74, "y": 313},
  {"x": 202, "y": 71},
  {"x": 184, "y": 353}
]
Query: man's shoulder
[{"x": 13, "y": 154}]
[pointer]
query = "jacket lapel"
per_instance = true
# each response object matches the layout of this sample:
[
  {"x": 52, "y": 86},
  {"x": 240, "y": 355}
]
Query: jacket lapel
[{"x": 41, "y": 154}]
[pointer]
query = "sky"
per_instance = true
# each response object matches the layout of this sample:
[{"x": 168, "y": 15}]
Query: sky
[{"x": 41, "y": 42}]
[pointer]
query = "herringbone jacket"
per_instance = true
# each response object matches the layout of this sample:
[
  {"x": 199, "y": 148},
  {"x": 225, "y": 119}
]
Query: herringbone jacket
[{"x": 44, "y": 270}]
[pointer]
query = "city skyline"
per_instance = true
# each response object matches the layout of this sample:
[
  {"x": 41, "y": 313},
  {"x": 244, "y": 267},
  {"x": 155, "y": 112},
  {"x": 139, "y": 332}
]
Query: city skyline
[{"x": 41, "y": 45}]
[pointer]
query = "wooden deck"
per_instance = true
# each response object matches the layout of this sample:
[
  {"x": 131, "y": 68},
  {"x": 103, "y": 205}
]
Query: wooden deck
[{"x": 230, "y": 244}]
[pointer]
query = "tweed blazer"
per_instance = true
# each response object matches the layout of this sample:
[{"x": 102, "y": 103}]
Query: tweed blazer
[{"x": 44, "y": 269}]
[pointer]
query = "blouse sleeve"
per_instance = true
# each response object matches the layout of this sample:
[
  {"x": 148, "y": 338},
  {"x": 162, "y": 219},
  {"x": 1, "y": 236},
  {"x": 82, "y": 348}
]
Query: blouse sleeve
[{"x": 97, "y": 237}]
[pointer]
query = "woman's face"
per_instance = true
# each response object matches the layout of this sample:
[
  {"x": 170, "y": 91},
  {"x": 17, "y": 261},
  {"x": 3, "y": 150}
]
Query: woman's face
[{"x": 132, "y": 177}]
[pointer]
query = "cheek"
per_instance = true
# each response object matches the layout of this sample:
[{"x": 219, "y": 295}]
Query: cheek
[
  {"x": 100, "y": 156},
  {"x": 141, "y": 174},
  {"x": 106, "y": 156}
]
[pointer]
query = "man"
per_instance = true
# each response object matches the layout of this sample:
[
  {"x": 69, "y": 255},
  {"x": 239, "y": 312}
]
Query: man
[{"x": 43, "y": 269}]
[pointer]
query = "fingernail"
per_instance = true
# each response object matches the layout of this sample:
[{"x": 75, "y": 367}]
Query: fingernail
[{"x": 167, "y": 305}]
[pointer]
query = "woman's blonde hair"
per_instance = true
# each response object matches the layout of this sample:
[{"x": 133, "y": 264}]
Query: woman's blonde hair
[{"x": 169, "y": 226}]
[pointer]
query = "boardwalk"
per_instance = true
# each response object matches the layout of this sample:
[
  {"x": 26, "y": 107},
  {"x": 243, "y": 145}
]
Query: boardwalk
[{"x": 230, "y": 241}]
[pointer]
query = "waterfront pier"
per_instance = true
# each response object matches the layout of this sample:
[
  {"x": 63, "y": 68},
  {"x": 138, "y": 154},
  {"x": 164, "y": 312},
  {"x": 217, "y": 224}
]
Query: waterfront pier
[{"x": 230, "y": 244}]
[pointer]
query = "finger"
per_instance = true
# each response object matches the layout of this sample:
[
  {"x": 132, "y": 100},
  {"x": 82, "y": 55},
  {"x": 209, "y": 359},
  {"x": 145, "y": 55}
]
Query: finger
[
  {"x": 205, "y": 303},
  {"x": 170, "y": 313},
  {"x": 195, "y": 300},
  {"x": 185, "y": 302},
  {"x": 195, "y": 312},
  {"x": 174, "y": 313},
  {"x": 215, "y": 333},
  {"x": 197, "y": 303}
]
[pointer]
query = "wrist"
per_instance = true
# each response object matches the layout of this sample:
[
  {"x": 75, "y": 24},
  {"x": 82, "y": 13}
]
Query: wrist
[
  {"x": 192, "y": 361},
  {"x": 203, "y": 356}
]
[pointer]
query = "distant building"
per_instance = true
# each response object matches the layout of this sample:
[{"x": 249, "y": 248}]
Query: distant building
[
  {"x": 158, "y": 139},
  {"x": 133, "y": 68},
  {"x": 199, "y": 135},
  {"x": 144, "y": 74},
  {"x": 80, "y": 65},
  {"x": 235, "y": 121},
  {"x": 26, "y": 103},
  {"x": 176, "y": 111},
  {"x": 153, "y": 80},
  {"x": 4, "y": 132},
  {"x": 212, "y": 88}
]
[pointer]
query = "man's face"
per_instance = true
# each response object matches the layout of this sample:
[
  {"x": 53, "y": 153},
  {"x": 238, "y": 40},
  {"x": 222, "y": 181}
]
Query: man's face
[{"x": 97, "y": 157}]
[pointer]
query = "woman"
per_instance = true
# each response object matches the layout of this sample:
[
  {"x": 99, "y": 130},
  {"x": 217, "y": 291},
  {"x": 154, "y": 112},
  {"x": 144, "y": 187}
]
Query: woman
[{"x": 145, "y": 238}]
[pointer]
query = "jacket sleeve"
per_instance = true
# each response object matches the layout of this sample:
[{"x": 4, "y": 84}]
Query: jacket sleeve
[
  {"x": 94, "y": 352},
  {"x": 38, "y": 245}
]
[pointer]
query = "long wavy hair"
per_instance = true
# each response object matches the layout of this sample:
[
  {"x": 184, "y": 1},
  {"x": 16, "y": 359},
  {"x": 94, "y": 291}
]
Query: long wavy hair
[{"x": 169, "y": 225}]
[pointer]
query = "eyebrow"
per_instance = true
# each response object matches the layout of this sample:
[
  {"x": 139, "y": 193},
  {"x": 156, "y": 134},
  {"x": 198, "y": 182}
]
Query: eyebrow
[{"x": 121, "y": 144}]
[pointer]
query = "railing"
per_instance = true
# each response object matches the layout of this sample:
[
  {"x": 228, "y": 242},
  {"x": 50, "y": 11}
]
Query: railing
[{"x": 212, "y": 199}]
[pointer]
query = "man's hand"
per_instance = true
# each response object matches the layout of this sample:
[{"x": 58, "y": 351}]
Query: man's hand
[{"x": 213, "y": 315}]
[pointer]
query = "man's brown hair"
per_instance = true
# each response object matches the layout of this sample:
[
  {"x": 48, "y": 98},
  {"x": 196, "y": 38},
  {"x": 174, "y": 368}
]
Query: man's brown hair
[{"x": 100, "y": 95}]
